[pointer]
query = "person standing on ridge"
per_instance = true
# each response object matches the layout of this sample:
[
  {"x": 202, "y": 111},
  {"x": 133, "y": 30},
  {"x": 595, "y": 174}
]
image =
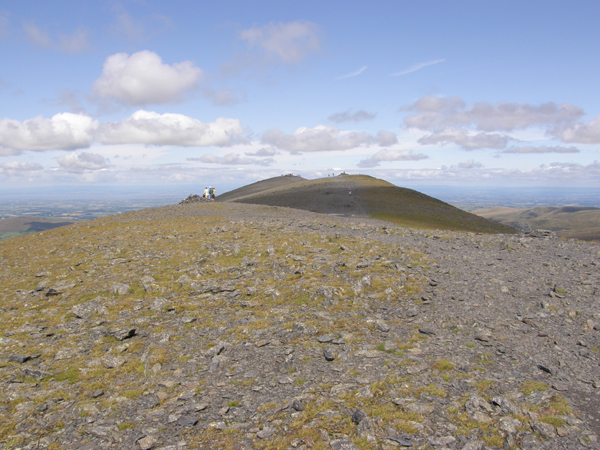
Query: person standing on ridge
[
  {"x": 205, "y": 195},
  {"x": 211, "y": 193}
]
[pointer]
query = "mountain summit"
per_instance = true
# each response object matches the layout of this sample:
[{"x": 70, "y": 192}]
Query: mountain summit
[{"x": 363, "y": 196}]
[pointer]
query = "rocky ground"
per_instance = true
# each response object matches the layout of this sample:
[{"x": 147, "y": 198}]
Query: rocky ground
[{"x": 244, "y": 326}]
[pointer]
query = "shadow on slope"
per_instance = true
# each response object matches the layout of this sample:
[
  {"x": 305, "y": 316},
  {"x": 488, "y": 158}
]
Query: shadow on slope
[
  {"x": 365, "y": 196},
  {"x": 20, "y": 226},
  {"x": 569, "y": 221}
]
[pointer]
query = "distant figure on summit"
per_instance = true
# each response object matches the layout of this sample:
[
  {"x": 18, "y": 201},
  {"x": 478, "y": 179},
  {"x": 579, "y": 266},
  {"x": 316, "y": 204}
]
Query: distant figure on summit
[
  {"x": 211, "y": 193},
  {"x": 205, "y": 195}
]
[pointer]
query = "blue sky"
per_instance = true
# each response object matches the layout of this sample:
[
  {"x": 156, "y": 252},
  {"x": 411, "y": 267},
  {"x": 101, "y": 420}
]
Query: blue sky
[{"x": 134, "y": 93}]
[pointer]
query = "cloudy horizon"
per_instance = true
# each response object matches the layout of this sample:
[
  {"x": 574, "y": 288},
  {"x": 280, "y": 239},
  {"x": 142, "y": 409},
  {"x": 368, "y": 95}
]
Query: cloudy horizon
[{"x": 137, "y": 93}]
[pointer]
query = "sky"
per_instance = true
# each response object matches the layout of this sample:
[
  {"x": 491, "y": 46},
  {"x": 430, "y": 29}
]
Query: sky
[{"x": 458, "y": 93}]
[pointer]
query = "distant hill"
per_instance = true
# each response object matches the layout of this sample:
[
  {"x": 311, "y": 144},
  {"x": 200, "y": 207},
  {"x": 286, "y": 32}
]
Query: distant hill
[
  {"x": 363, "y": 196},
  {"x": 20, "y": 226},
  {"x": 576, "y": 222}
]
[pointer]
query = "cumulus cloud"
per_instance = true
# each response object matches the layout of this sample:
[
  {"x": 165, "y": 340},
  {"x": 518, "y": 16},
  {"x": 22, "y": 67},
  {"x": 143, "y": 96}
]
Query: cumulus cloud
[
  {"x": 76, "y": 42},
  {"x": 417, "y": 66},
  {"x": 353, "y": 74},
  {"x": 435, "y": 113},
  {"x": 386, "y": 138},
  {"x": 233, "y": 159},
  {"x": 82, "y": 162},
  {"x": 391, "y": 155},
  {"x": 263, "y": 152},
  {"x": 318, "y": 139},
  {"x": 288, "y": 43},
  {"x": 466, "y": 140},
  {"x": 142, "y": 79},
  {"x": 19, "y": 168},
  {"x": 470, "y": 164},
  {"x": 541, "y": 149},
  {"x": 146, "y": 127},
  {"x": 64, "y": 131},
  {"x": 583, "y": 133},
  {"x": 347, "y": 116}
]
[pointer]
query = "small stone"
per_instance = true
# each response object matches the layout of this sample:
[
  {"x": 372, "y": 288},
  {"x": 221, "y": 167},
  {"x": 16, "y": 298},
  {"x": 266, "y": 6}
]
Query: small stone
[
  {"x": 148, "y": 401},
  {"x": 382, "y": 326},
  {"x": 342, "y": 444},
  {"x": 560, "y": 387},
  {"x": 326, "y": 338},
  {"x": 19, "y": 358},
  {"x": 119, "y": 288},
  {"x": 262, "y": 343},
  {"x": 120, "y": 334},
  {"x": 147, "y": 442},
  {"x": 297, "y": 405},
  {"x": 546, "y": 430},
  {"x": 97, "y": 393},
  {"x": 358, "y": 416},
  {"x": 427, "y": 331},
  {"x": 402, "y": 441},
  {"x": 266, "y": 433},
  {"x": 328, "y": 353}
]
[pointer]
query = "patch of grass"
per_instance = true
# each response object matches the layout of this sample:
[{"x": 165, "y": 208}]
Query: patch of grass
[
  {"x": 558, "y": 406},
  {"x": 71, "y": 375},
  {"x": 528, "y": 387},
  {"x": 443, "y": 365},
  {"x": 127, "y": 425},
  {"x": 556, "y": 421}
]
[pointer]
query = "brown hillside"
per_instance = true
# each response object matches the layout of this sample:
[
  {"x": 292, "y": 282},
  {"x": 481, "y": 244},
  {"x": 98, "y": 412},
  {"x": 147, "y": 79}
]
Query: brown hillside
[{"x": 260, "y": 186}]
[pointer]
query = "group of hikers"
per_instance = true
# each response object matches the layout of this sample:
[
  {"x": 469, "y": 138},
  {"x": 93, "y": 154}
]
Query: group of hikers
[{"x": 209, "y": 193}]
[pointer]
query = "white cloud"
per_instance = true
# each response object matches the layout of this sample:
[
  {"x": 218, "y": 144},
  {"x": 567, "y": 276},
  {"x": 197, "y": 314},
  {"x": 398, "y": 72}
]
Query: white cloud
[
  {"x": 584, "y": 133},
  {"x": 353, "y": 74},
  {"x": 346, "y": 116},
  {"x": 553, "y": 173},
  {"x": 391, "y": 155},
  {"x": 263, "y": 152},
  {"x": 386, "y": 138},
  {"x": 288, "y": 43},
  {"x": 145, "y": 127},
  {"x": 470, "y": 164},
  {"x": 17, "y": 168},
  {"x": 64, "y": 131},
  {"x": 467, "y": 140},
  {"x": 37, "y": 36},
  {"x": 417, "y": 66},
  {"x": 318, "y": 139},
  {"x": 81, "y": 162},
  {"x": 541, "y": 149},
  {"x": 434, "y": 113},
  {"x": 74, "y": 43},
  {"x": 142, "y": 79},
  {"x": 232, "y": 159}
]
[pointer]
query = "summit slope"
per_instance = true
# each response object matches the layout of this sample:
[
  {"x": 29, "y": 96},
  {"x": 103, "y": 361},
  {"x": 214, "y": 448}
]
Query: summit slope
[
  {"x": 365, "y": 196},
  {"x": 225, "y": 326}
]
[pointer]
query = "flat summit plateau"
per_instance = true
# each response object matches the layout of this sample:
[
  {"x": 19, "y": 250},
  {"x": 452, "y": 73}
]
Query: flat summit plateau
[{"x": 247, "y": 326}]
